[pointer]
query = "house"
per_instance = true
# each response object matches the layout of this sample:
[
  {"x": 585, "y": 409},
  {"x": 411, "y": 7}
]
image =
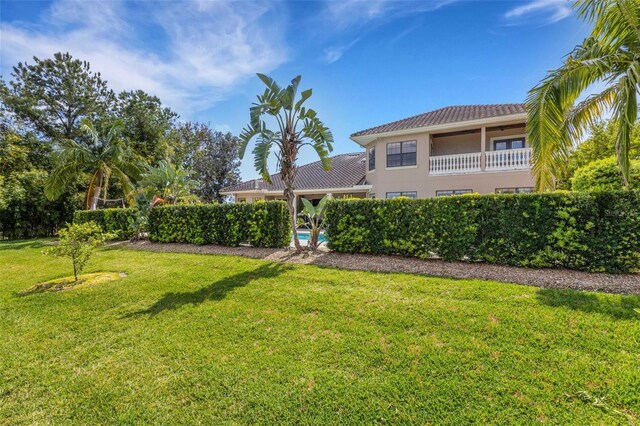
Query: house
[
  {"x": 449, "y": 151},
  {"x": 345, "y": 179}
]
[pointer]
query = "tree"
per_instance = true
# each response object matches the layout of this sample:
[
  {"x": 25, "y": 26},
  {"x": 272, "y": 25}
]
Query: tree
[
  {"x": 146, "y": 124},
  {"x": 211, "y": 155},
  {"x": 599, "y": 145},
  {"x": 296, "y": 126},
  {"x": 166, "y": 183},
  {"x": 24, "y": 169},
  {"x": 610, "y": 55},
  {"x": 53, "y": 95},
  {"x": 604, "y": 175},
  {"x": 77, "y": 242},
  {"x": 216, "y": 164},
  {"x": 105, "y": 156}
]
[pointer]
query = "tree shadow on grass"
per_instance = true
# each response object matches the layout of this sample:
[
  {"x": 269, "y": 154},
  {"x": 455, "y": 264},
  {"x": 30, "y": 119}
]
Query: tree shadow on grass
[
  {"x": 24, "y": 244},
  {"x": 214, "y": 291},
  {"x": 618, "y": 307}
]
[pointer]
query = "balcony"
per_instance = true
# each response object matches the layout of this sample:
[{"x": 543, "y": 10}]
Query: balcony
[{"x": 510, "y": 159}]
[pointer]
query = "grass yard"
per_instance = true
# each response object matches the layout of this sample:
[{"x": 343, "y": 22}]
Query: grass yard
[{"x": 186, "y": 338}]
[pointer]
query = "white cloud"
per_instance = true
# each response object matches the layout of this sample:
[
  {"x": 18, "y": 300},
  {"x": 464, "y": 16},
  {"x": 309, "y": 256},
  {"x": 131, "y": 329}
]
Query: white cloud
[
  {"x": 199, "y": 50},
  {"x": 350, "y": 13},
  {"x": 547, "y": 11},
  {"x": 333, "y": 53}
]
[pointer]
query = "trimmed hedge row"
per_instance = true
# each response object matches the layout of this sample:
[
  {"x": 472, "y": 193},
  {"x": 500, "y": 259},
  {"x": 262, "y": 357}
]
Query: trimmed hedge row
[
  {"x": 261, "y": 224},
  {"x": 597, "y": 231},
  {"x": 115, "y": 221}
]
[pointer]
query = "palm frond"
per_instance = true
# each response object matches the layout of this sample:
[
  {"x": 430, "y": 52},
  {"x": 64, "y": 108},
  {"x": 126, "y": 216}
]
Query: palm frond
[{"x": 625, "y": 114}]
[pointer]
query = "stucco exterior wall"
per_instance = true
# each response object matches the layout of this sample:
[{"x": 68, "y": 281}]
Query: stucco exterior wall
[{"x": 416, "y": 178}]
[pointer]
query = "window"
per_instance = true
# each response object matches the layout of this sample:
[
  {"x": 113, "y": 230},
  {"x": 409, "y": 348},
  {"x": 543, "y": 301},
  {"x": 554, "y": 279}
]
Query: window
[
  {"x": 511, "y": 143},
  {"x": 372, "y": 159},
  {"x": 524, "y": 190},
  {"x": 449, "y": 192},
  {"x": 410, "y": 194},
  {"x": 401, "y": 154},
  {"x": 372, "y": 195}
]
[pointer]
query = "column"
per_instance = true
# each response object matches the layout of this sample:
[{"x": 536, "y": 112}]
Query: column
[{"x": 483, "y": 144}]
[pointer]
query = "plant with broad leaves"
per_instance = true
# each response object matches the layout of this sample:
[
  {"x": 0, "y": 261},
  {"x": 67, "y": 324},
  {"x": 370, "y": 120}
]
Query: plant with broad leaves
[
  {"x": 312, "y": 217},
  {"x": 297, "y": 126}
]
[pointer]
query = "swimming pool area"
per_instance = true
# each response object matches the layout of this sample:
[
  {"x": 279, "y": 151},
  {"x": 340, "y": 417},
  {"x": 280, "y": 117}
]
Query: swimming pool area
[{"x": 305, "y": 236}]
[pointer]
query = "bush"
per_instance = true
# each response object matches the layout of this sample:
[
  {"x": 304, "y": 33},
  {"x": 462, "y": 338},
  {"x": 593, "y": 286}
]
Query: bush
[
  {"x": 596, "y": 231},
  {"x": 604, "y": 175},
  {"x": 113, "y": 221},
  {"x": 261, "y": 224}
]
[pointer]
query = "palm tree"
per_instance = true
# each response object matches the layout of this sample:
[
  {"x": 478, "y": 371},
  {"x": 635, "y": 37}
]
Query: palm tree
[
  {"x": 297, "y": 126},
  {"x": 610, "y": 55},
  {"x": 166, "y": 184},
  {"x": 104, "y": 157}
]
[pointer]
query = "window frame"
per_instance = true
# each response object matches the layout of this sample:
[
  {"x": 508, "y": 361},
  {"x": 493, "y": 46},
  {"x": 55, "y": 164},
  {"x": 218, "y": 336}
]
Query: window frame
[
  {"x": 509, "y": 139},
  {"x": 402, "y": 194},
  {"x": 402, "y": 154},
  {"x": 454, "y": 192},
  {"x": 371, "y": 159},
  {"x": 516, "y": 190}
]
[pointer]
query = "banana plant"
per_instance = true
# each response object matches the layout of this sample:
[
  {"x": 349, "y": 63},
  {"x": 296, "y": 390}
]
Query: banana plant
[
  {"x": 294, "y": 126},
  {"x": 312, "y": 218}
]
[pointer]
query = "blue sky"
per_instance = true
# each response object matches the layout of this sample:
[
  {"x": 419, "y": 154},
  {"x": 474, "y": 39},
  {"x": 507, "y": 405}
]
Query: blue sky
[{"x": 368, "y": 62}]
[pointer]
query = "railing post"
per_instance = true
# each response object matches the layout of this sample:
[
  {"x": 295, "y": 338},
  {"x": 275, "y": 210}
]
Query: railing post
[{"x": 483, "y": 143}]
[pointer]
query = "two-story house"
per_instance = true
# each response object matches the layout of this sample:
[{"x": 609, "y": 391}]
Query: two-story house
[{"x": 449, "y": 151}]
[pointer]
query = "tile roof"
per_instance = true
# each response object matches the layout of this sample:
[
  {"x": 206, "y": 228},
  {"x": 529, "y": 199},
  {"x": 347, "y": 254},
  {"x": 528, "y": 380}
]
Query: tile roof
[
  {"x": 451, "y": 114},
  {"x": 347, "y": 170}
]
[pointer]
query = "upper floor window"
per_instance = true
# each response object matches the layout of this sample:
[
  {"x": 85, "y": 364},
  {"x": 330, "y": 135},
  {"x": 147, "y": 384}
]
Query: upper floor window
[
  {"x": 372, "y": 158},
  {"x": 401, "y": 154},
  {"x": 410, "y": 194},
  {"x": 510, "y": 143}
]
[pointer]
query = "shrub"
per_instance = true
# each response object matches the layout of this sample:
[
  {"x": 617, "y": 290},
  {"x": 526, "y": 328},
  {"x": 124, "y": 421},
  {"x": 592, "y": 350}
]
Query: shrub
[
  {"x": 596, "y": 231},
  {"x": 604, "y": 175},
  {"x": 77, "y": 242},
  {"x": 262, "y": 224},
  {"x": 113, "y": 221}
]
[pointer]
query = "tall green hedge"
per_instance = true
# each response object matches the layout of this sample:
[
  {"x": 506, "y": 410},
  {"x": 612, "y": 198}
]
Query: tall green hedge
[
  {"x": 114, "y": 221},
  {"x": 261, "y": 224},
  {"x": 597, "y": 231}
]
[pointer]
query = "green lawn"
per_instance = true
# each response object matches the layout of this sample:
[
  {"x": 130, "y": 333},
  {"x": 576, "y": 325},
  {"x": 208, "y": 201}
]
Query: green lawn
[{"x": 207, "y": 339}]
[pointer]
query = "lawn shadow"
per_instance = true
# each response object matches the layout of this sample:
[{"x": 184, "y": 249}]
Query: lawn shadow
[
  {"x": 214, "y": 291},
  {"x": 24, "y": 244},
  {"x": 621, "y": 307}
]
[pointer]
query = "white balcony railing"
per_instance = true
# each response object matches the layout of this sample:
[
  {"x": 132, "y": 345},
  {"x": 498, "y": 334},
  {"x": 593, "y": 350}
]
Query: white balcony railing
[
  {"x": 456, "y": 163},
  {"x": 510, "y": 159}
]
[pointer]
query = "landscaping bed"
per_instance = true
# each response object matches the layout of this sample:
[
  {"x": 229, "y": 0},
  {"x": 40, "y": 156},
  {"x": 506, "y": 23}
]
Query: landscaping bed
[{"x": 545, "y": 278}]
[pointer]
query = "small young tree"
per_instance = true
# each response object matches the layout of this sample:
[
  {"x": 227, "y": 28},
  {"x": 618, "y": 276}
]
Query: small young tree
[
  {"x": 78, "y": 242},
  {"x": 312, "y": 217}
]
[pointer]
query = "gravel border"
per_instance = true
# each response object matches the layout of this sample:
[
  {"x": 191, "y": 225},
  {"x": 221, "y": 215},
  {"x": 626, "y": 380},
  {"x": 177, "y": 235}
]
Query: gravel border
[{"x": 545, "y": 278}]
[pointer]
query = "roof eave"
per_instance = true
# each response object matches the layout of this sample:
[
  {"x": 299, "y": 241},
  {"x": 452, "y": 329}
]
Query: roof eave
[
  {"x": 301, "y": 191},
  {"x": 364, "y": 140}
]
